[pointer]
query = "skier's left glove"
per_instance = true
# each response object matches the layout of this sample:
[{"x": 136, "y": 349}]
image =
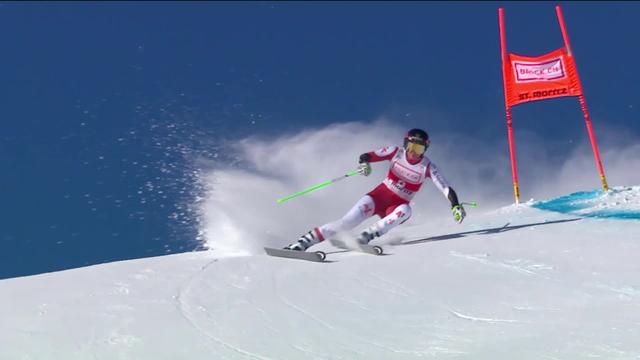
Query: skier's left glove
[
  {"x": 458, "y": 213},
  {"x": 364, "y": 169}
]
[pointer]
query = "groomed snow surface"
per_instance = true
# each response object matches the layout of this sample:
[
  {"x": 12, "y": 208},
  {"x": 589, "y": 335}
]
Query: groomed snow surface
[{"x": 557, "y": 279}]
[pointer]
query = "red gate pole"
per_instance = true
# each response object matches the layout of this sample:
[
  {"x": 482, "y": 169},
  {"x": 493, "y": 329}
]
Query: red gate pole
[
  {"x": 512, "y": 151},
  {"x": 583, "y": 105}
]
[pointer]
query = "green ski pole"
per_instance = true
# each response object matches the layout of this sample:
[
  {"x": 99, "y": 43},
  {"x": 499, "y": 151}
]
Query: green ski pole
[
  {"x": 473, "y": 204},
  {"x": 326, "y": 183}
]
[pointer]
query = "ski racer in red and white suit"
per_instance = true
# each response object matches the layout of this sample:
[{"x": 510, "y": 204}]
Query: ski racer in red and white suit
[{"x": 390, "y": 200}]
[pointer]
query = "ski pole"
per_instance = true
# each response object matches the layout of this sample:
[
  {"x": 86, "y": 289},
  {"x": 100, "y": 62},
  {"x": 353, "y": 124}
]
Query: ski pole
[
  {"x": 472, "y": 204},
  {"x": 329, "y": 182}
]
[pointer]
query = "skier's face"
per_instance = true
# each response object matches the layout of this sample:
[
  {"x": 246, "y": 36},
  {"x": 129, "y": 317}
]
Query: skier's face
[
  {"x": 416, "y": 148},
  {"x": 412, "y": 156}
]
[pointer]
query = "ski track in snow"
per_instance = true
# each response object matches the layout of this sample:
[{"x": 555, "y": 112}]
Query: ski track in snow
[
  {"x": 335, "y": 329},
  {"x": 351, "y": 334},
  {"x": 347, "y": 300},
  {"x": 399, "y": 289},
  {"x": 533, "y": 308},
  {"x": 473, "y": 318},
  {"x": 391, "y": 291},
  {"x": 183, "y": 306},
  {"x": 306, "y": 313},
  {"x": 478, "y": 319},
  {"x": 521, "y": 266},
  {"x": 627, "y": 291}
]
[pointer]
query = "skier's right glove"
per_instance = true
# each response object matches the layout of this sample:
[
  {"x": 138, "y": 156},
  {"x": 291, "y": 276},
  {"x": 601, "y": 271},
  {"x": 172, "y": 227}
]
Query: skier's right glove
[
  {"x": 364, "y": 169},
  {"x": 458, "y": 213}
]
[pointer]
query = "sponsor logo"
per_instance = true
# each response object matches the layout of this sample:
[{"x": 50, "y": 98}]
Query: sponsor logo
[
  {"x": 539, "y": 71},
  {"x": 543, "y": 94},
  {"x": 398, "y": 187},
  {"x": 406, "y": 173}
]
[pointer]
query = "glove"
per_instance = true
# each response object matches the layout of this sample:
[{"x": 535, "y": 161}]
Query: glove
[
  {"x": 364, "y": 169},
  {"x": 458, "y": 213}
]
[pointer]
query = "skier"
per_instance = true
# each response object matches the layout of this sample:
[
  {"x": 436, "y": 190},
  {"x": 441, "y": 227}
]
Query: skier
[{"x": 390, "y": 200}]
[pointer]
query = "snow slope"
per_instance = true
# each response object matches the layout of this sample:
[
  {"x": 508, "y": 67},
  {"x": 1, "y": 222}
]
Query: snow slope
[{"x": 556, "y": 279}]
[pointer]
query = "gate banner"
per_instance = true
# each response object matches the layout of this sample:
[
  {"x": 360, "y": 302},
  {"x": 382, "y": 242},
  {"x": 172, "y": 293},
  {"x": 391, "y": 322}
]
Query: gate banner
[{"x": 544, "y": 77}]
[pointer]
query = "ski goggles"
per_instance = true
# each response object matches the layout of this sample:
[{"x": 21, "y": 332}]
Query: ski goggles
[{"x": 416, "y": 146}]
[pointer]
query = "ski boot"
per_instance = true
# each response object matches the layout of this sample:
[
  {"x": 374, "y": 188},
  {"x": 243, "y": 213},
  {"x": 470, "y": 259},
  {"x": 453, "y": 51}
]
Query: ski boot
[
  {"x": 303, "y": 243},
  {"x": 366, "y": 236}
]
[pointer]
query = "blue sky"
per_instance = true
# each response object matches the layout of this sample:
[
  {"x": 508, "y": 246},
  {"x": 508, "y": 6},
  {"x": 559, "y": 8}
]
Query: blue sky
[{"x": 104, "y": 101}]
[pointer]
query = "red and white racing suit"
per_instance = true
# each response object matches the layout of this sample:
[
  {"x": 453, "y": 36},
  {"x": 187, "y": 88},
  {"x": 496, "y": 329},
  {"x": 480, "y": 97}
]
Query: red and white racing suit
[{"x": 389, "y": 200}]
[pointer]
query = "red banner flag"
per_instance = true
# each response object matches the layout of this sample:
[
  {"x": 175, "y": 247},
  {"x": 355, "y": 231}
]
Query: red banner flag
[{"x": 538, "y": 78}]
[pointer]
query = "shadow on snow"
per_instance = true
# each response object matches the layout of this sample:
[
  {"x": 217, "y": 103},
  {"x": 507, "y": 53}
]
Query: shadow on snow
[{"x": 490, "y": 231}]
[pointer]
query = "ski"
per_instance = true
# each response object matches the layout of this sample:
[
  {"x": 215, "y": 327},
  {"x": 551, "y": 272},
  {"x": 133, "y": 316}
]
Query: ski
[
  {"x": 317, "y": 256},
  {"x": 368, "y": 249}
]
